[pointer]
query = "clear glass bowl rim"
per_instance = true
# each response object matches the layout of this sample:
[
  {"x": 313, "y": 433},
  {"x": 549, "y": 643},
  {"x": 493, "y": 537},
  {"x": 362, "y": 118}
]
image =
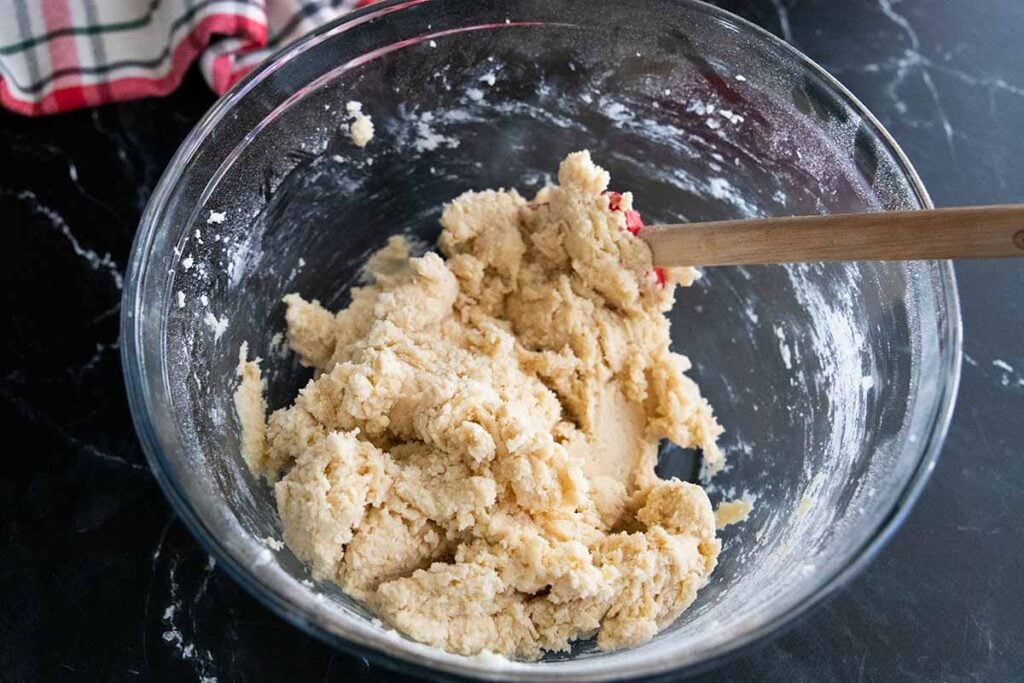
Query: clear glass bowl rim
[{"x": 140, "y": 400}]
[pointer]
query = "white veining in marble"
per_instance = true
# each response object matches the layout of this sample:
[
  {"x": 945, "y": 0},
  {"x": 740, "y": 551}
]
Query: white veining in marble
[
  {"x": 95, "y": 260},
  {"x": 913, "y": 62}
]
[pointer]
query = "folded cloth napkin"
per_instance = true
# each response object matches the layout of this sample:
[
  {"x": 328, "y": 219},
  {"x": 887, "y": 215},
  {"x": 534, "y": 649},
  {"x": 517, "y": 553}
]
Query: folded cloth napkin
[{"x": 58, "y": 55}]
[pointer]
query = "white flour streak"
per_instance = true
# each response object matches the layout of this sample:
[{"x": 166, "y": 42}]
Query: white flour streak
[
  {"x": 428, "y": 139},
  {"x": 241, "y": 256},
  {"x": 1007, "y": 371},
  {"x": 217, "y": 326},
  {"x": 731, "y": 116},
  {"x": 722, "y": 189},
  {"x": 616, "y": 111},
  {"x": 277, "y": 346},
  {"x": 784, "y": 350}
]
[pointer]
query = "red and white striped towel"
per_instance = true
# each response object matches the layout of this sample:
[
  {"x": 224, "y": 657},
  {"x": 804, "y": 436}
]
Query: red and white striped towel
[{"x": 58, "y": 55}]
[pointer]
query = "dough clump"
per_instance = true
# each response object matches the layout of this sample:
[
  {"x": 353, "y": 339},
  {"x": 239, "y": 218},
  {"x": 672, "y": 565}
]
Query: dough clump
[
  {"x": 733, "y": 512},
  {"x": 474, "y": 458},
  {"x": 361, "y": 127}
]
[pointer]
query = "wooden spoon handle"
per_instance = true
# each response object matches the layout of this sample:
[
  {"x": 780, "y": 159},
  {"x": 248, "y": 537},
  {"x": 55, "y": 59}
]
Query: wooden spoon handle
[{"x": 969, "y": 232}]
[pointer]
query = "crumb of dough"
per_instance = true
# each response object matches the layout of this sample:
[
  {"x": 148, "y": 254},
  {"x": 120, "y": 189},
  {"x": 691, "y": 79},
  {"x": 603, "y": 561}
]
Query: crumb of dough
[
  {"x": 732, "y": 512},
  {"x": 474, "y": 458},
  {"x": 360, "y": 129},
  {"x": 273, "y": 543}
]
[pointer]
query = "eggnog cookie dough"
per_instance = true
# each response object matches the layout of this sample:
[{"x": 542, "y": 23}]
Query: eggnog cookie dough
[{"x": 474, "y": 458}]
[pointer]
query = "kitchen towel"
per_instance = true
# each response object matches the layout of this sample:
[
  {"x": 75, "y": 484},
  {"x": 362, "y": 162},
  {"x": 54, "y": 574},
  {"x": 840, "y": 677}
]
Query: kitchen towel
[{"x": 59, "y": 55}]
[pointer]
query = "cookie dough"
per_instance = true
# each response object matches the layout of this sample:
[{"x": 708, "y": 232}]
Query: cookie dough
[
  {"x": 474, "y": 458},
  {"x": 251, "y": 409}
]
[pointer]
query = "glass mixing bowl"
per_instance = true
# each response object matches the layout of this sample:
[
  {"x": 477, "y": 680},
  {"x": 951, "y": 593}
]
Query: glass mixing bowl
[{"x": 835, "y": 382}]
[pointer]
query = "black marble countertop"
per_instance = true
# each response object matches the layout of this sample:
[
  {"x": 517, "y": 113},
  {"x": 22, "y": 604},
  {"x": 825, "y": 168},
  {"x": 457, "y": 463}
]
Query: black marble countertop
[{"x": 99, "y": 580}]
